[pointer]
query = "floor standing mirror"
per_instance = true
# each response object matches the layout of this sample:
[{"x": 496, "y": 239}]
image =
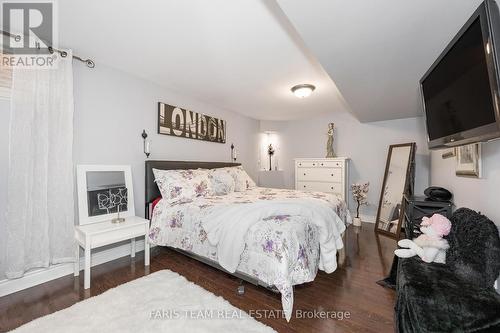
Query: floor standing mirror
[{"x": 398, "y": 180}]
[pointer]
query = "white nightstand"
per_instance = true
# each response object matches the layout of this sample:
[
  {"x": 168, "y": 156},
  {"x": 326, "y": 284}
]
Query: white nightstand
[
  {"x": 272, "y": 178},
  {"x": 94, "y": 235}
]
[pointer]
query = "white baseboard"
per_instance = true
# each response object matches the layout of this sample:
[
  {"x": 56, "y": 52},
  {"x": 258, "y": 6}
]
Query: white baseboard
[
  {"x": 39, "y": 276},
  {"x": 367, "y": 218}
]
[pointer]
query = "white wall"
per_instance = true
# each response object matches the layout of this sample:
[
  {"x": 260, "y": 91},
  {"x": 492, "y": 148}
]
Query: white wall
[
  {"x": 111, "y": 110},
  {"x": 365, "y": 143},
  {"x": 478, "y": 194}
]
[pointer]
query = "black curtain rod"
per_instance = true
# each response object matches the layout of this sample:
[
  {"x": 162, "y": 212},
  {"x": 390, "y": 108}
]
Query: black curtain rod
[{"x": 89, "y": 62}]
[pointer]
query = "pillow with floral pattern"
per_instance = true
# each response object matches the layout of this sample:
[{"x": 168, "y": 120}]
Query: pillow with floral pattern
[
  {"x": 241, "y": 178},
  {"x": 183, "y": 184},
  {"x": 222, "y": 181}
]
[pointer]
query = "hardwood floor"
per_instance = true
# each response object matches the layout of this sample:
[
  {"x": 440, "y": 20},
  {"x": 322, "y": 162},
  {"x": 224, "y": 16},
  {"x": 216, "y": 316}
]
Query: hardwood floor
[{"x": 351, "y": 288}]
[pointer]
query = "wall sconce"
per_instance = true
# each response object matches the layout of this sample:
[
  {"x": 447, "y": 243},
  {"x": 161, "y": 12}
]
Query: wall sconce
[
  {"x": 147, "y": 143},
  {"x": 233, "y": 153}
]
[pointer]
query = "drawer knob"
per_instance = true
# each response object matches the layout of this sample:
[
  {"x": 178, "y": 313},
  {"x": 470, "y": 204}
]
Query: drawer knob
[
  {"x": 304, "y": 186},
  {"x": 304, "y": 173},
  {"x": 300, "y": 163},
  {"x": 331, "y": 187},
  {"x": 321, "y": 164},
  {"x": 332, "y": 174}
]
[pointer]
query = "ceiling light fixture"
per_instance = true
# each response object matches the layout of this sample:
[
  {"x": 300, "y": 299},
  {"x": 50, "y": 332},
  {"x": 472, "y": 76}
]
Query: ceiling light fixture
[{"x": 303, "y": 90}]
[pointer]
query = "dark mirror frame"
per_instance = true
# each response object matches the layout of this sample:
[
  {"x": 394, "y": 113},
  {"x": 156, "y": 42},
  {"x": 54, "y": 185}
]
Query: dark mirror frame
[{"x": 408, "y": 187}]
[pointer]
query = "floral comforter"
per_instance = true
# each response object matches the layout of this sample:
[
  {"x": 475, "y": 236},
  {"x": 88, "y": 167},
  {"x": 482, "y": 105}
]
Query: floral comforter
[{"x": 280, "y": 250}]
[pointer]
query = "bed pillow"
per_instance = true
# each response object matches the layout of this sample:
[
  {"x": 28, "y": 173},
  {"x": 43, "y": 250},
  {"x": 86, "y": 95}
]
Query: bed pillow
[
  {"x": 183, "y": 184},
  {"x": 222, "y": 181},
  {"x": 241, "y": 178},
  {"x": 245, "y": 182}
]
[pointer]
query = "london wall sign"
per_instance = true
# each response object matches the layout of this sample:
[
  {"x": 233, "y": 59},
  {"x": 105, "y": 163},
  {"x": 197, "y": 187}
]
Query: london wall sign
[{"x": 172, "y": 120}]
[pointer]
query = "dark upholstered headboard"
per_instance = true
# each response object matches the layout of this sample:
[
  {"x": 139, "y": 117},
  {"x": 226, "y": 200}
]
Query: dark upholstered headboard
[{"x": 152, "y": 191}]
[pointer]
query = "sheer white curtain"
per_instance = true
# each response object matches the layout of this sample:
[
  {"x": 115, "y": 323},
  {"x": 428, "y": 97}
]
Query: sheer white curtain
[{"x": 40, "y": 208}]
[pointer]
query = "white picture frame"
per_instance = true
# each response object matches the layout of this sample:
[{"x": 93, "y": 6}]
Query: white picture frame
[
  {"x": 468, "y": 160},
  {"x": 83, "y": 207}
]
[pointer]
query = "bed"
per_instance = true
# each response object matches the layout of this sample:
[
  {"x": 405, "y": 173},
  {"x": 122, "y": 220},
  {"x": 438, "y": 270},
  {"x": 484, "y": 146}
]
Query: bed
[{"x": 282, "y": 243}]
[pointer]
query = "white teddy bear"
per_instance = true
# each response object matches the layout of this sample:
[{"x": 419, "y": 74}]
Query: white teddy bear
[{"x": 430, "y": 246}]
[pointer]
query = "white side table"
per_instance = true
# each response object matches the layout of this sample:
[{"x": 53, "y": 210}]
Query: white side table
[
  {"x": 272, "y": 178},
  {"x": 94, "y": 235}
]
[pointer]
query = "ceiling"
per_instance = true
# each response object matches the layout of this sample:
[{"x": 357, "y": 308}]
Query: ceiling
[
  {"x": 377, "y": 51},
  {"x": 245, "y": 56},
  {"x": 234, "y": 54}
]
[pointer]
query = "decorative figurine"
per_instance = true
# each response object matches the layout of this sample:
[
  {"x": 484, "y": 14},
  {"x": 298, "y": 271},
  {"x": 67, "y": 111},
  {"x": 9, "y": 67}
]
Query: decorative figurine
[
  {"x": 329, "y": 143},
  {"x": 118, "y": 219},
  {"x": 116, "y": 200},
  {"x": 270, "y": 152}
]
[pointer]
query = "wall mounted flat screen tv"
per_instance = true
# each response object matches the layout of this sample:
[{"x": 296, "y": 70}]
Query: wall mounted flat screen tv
[{"x": 460, "y": 92}]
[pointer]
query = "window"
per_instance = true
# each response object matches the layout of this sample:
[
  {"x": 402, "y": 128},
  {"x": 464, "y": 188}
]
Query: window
[{"x": 5, "y": 81}]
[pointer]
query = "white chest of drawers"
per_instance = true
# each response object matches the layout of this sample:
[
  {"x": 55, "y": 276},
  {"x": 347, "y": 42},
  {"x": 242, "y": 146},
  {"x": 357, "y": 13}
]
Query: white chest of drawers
[{"x": 323, "y": 174}]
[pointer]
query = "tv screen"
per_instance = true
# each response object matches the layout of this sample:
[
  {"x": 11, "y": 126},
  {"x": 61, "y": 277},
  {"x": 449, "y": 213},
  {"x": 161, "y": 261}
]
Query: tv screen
[
  {"x": 457, "y": 90},
  {"x": 457, "y": 93}
]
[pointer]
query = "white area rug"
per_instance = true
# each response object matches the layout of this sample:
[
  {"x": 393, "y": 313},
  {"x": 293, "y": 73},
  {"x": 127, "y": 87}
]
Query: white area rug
[{"x": 160, "y": 302}]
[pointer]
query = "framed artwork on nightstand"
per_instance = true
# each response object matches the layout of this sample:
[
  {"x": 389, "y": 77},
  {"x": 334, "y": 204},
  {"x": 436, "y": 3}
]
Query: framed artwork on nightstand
[
  {"x": 104, "y": 192},
  {"x": 106, "y": 213}
]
